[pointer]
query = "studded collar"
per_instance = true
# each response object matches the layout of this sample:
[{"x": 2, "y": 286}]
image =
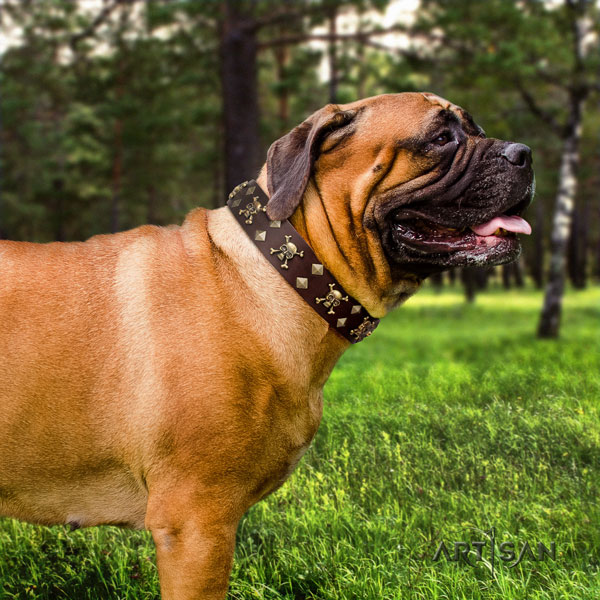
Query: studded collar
[{"x": 289, "y": 253}]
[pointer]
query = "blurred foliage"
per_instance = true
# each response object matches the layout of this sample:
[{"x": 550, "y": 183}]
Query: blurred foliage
[{"x": 113, "y": 120}]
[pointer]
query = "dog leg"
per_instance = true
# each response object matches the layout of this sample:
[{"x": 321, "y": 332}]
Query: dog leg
[{"x": 194, "y": 549}]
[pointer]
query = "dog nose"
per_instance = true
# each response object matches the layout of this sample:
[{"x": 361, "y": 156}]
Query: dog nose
[{"x": 517, "y": 154}]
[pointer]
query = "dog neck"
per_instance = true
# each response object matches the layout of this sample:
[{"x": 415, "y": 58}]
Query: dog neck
[
  {"x": 300, "y": 341},
  {"x": 294, "y": 260},
  {"x": 337, "y": 242}
]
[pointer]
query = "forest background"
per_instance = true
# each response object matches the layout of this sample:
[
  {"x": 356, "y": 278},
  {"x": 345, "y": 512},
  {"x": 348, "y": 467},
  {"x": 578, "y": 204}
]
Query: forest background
[
  {"x": 115, "y": 113},
  {"x": 453, "y": 419}
]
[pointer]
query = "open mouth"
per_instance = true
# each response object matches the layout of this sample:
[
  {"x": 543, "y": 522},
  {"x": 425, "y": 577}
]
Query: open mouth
[
  {"x": 467, "y": 214},
  {"x": 431, "y": 246}
]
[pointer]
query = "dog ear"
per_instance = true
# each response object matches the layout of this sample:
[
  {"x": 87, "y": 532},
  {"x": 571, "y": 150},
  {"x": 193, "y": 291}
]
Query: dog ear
[{"x": 290, "y": 159}]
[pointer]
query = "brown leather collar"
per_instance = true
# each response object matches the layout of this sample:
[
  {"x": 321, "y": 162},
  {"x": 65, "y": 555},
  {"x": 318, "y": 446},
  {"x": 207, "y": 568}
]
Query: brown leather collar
[{"x": 288, "y": 252}]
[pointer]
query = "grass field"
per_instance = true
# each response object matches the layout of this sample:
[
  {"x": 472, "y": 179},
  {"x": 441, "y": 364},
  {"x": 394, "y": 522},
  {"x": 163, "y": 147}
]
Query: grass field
[{"x": 450, "y": 420}]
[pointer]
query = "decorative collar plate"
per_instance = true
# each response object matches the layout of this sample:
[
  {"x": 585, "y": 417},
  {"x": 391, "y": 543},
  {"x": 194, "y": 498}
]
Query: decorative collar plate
[{"x": 288, "y": 252}]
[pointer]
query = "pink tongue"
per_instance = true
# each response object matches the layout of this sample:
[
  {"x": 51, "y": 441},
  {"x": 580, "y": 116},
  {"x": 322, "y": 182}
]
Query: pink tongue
[{"x": 514, "y": 223}]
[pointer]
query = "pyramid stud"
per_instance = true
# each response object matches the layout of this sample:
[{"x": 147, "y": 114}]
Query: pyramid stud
[
  {"x": 260, "y": 235},
  {"x": 355, "y": 309},
  {"x": 236, "y": 202},
  {"x": 275, "y": 224},
  {"x": 341, "y": 322},
  {"x": 302, "y": 283},
  {"x": 250, "y": 191},
  {"x": 317, "y": 269}
]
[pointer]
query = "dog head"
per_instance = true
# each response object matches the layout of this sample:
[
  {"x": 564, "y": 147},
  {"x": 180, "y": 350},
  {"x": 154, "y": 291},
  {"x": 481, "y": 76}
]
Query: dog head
[{"x": 391, "y": 189}]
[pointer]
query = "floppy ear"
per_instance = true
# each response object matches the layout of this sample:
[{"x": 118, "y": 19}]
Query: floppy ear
[{"x": 290, "y": 159}]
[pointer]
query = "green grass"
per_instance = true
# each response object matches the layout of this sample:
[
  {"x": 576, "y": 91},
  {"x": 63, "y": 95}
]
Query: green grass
[{"x": 450, "y": 420}]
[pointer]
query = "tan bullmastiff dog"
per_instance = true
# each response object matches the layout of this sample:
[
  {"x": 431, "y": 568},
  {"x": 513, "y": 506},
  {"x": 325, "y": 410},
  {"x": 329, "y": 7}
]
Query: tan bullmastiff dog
[{"x": 171, "y": 378}]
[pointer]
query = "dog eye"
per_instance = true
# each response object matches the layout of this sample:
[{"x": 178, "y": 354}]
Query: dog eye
[{"x": 443, "y": 139}]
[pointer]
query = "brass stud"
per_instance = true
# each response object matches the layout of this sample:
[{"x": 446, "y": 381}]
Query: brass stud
[
  {"x": 302, "y": 283},
  {"x": 317, "y": 269},
  {"x": 365, "y": 329},
  {"x": 275, "y": 224},
  {"x": 355, "y": 309},
  {"x": 250, "y": 191},
  {"x": 287, "y": 251},
  {"x": 260, "y": 235},
  {"x": 252, "y": 209},
  {"x": 332, "y": 300},
  {"x": 341, "y": 322},
  {"x": 237, "y": 189}
]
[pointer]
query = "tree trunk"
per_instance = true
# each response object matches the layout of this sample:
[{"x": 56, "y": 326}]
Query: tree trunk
[
  {"x": 518, "y": 273},
  {"x": 332, "y": 56},
  {"x": 506, "y": 276},
  {"x": 467, "y": 275},
  {"x": 598, "y": 253},
  {"x": 573, "y": 247},
  {"x": 117, "y": 165},
  {"x": 283, "y": 94},
  {"x": 437, "y": 280},
  {"x": 576, "y": 250},
  {"x": 480, "y": 277},
  {"x": 218, "y": 193},
  {"x": 116, "y": 176},
  {"x": 151, "y": 204},
  {"x": 585, "y": 234},
  {"x": 2, "y": 228},
  {"x": 362, "y": 63},
  {"x": 239, "y": 87},
  {"x": 549, "y": 324},
  {"x": 537, "y": 270},
  {"x": 58, "y": 192}
]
